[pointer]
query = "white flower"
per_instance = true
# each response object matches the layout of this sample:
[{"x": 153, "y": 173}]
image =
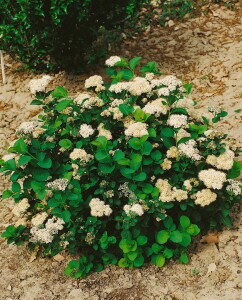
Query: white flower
[
  {"x": 112, "y": 61},
  {"x": 39, "y": 219},
  {"x": 234, "y": 187},
  {"x": 134, "y": 208},
  {"x": 93, "y": 81},
  {"x": 81, "y": 97},
  {"x": 205, "y": 197},
  {"x": 188, "y": 149},
  {"x": 166, "y": 165},
  {"x": 99, "y": 208},
  {"x": 21, "y": 207},
  {"x": 104, "y": 132},
  {"x": 149, "y": 76},
  {"x": 80, "y": 154},
  {"x": 166, "y": 193},
  {"x": 137, "y": 129},
  {"x": 177, "y": 121},
  {"x": 46, "y": 235},
  {"x": 39, "y": 85},
  {"x": 173, "y": 152},
  {"x": 187, "y": 184},
  {"x": 179, "y": 194},
  {"x": 156, "y": 108},
  {"x": 26, "y": 128},
  {"x": 163, "y": 92},
  {"x": 86, "y": 130},
  {"x": 212, "y": 178},
  {"x": 184, "y": 103},
  {"x": 59, "y": 184},
  {"x": 119, "y": 87},
  {"x": 139, "y": 86}
]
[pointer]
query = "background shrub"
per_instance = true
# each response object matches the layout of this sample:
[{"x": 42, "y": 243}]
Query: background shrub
[{"x": 47, "y": 34}]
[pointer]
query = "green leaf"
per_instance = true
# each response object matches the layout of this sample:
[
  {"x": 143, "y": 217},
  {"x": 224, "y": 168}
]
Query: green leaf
[
  {"x": 186, "y": 239},
  {"x": 140, "y": 177},
  {"x": 193, "y": 230},
  {"x": 62, "y": 105},
  {"x": 139, "y": 261},
  {"x": 119, "y": 154},
  {"x": 24, "y": 159},
  {"x": 175, "y": 236},
  {"x": 135, "y": 144},
  {"x": 160, "y": 260},
  {"x": 59, "y": 92},
  {"x": 105, "y": 168},
  {"x": 162, "y": 237},
  {"x": 147, "y": 148},
  {"x": 156, "y": 155},
  {"x": 133, "y": 62},
  {"x": 6, "y": 194},
  {"x": 40, "y": 174},
  {"x": 132, "y": 255},
  {"x": 235, "y": 171},
  {"x": 188, "y": 88},
  {"x": 46, "y": 163},
  {"x": 125, "y": 74},
  {"x": 123, "y": 162},
  {"x": 16, "y": 188},
  {"x": 184, "y": 258},
  {"x": 238, "y": 110},
  {"x": 66, "y": 215},
  {"x": 10, "y": 165},
  {"x": 184, "y": 221},
  {"x": 65, "y": 143},
  {"x": 126, "y": 109},
  {"x": 123, "y": 263},
  {"x": 168, "y": 253},
  {"x": 149, "y": 67},
  {"x": 168, "y": 142},
  {"x": 102, "y": 156},
  {"x": 20, "y": 146},
  {"x": 168, "y": 222},
  {"x": 152, "y": 132},
  {"x": 148, "y": 188},
  {"x": 142, "y": 240},
  {"x": 167, "y": 132}
]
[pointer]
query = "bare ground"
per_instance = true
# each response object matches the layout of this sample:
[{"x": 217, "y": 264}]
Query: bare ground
[{"x": 206, "y": 51}]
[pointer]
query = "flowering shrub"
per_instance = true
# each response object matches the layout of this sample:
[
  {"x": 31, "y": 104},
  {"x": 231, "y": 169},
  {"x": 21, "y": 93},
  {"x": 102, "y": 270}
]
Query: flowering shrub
[
  {"x": 124, "y": 173},
  {"x": 60, "y": 34}
]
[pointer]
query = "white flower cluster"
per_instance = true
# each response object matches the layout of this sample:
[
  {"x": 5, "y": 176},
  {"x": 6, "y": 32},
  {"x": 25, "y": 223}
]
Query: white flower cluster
[
  {"x": 46, "y": 235},
  {"x": 166, "y": 165},
  {"x": 39, "y": 85},
  {"x": 26, "y": 128},
  {"x": 155, "y": 107},
  {"x": 59, "y": 184},
  {"x": 177, "y": 121},
  {"x": 99, "y": 208},
  {"x": 21, "y": 207},
  {"x": 104, "y": 132},
  {"x": 224, "y": 161},
  {"x": 39, "y": 219},
  {"x": 38, "y": 131},
  {"x": 96, "y": 82},
  {"x": 112, "y": 61},
  {"x": 189, "y": 150},
  {"x": 136, "y": 209},
  {"x": 139, "y": 86},
  {"x": 164, "y": 91},
  {"x": 87, "y": 101},
  {"x": 173, "y": 152},
  {"x": 212, "y": 178},
  {"x": 234, "y": 187},
  {"x": 181, "y": 134},
  {"x": 184, "y": 103},
  {"x": 80, "y": 154},
  {"x": 205, "y": 197},
  {"x": 137, "y": 129},
  {"x": 86, "y": 130},
  {"x": 136, "y": 87},
  {"x": 114, "y": 110},
  {"x": 126, "y": 192},
  {"x": 168, "y": 194}
]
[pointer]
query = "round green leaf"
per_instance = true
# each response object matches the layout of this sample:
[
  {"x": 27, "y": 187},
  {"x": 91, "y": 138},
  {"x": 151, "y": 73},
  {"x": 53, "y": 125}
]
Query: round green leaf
[
  {"x": 142, "y": 240},
  {"x": 175, "y": 236},
  {"x": 160, "y": 260},
  {"x": 184, "y": 221},
  {"x": 162, "y": 237}
]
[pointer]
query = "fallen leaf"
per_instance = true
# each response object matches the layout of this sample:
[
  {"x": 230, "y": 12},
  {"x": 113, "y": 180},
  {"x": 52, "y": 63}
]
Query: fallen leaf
[
  {"x": 211, "y": 238},
  {"x": 58, "y": 257},
  {"x": 211, "y": 268}
]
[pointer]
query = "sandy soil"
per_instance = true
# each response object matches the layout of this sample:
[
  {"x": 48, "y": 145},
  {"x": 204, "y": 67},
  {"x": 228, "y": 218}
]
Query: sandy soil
[{"x": 207, "y": 51}]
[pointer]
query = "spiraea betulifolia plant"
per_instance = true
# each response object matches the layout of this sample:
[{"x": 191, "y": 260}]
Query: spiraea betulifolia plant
[{"x": 125, "y": 173}]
